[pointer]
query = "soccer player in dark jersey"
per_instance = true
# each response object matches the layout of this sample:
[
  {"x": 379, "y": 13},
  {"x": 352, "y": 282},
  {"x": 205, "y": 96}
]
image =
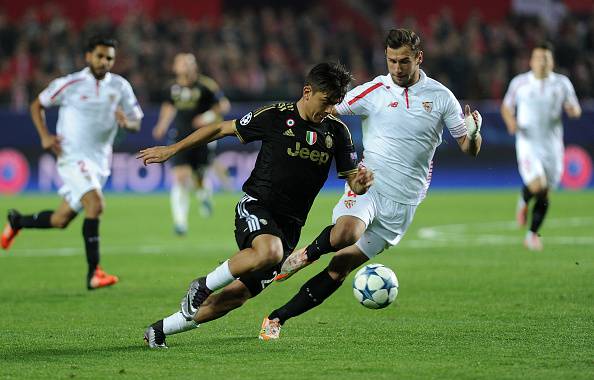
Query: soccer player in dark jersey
[
  {"x": 192, "y": 102},
  {"x": 299, "y": 141}
]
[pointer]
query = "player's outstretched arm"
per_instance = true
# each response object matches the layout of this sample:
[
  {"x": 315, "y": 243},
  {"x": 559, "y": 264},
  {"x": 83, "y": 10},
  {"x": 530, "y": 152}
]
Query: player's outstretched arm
[
  {"x": 199, "y": 137},
  {"x": 471, "y": 143},
  {"x": 361, "y": 181}
]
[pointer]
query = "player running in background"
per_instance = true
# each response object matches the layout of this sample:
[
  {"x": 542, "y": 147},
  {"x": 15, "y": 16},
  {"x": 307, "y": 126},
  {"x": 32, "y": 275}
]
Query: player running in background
[
  {"x": 532, "y": 110},
  {"x": 299, "y": 141},
  {"x": 93, "y": 103},
  {"x": 403, "y": 115},
  {"x": 192, "y": 102}
]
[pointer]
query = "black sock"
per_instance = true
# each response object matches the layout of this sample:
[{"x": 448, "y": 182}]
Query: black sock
[
  {"x": 311, "y": 294},
  {"x": 91, "y": 237},
  {"x": 539, "y": 211},
  {"x": 320, "y": 246},
  {"x": 526, "y": 194},
  {"x": 39, "y": 220}
]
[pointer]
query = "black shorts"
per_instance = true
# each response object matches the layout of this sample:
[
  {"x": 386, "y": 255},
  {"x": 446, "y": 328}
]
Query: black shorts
[
  {"x": 253, "y": 219},
  {"x": 198, "y": 158}
]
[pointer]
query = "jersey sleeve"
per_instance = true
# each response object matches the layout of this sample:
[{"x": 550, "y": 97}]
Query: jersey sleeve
[
  {"x": 569, "y": 92},
  {"x": 254, "y": 125},
  {"x": 359, "y": 100},
  {"x": 208, "y": 98},
  {"x": 453, "y": 117},
  {"x": 509, "y": 100},
  {"x": 345, "y": 154},
  {"x": 55, "y": 93},
  {"x": 129, "y": 103}
]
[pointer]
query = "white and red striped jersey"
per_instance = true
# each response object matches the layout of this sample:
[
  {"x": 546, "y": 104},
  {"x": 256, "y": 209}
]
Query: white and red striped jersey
[
  {"x": 86, "y": 120},
  {"x": 539, "y": 105},
  {"x": 402, "y": 127}
]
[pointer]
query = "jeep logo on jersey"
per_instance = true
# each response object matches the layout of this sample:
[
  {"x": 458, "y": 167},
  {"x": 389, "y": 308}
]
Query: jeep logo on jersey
[
  {"x": 311, "y": 154},
  {"x": 311, "y": 137},
  {"x": 246, "y": 119}
]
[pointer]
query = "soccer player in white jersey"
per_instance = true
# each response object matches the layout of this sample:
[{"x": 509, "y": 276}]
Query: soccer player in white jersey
[
  {"x": 403, "y": 114},
  {"x": 532, "y": 110},
  {"x": 93, "y": 104}
]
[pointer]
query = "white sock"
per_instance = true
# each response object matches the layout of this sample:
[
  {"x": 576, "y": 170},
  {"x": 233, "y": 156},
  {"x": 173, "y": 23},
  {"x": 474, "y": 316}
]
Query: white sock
[
  {"x": 176, "y": 323},
  {"x": 220, "y": 277},
  {"x": 180, "y": 204}
]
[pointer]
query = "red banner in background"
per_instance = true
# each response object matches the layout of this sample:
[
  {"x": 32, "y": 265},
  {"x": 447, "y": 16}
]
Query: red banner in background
[{"x": 116, "y": 10}]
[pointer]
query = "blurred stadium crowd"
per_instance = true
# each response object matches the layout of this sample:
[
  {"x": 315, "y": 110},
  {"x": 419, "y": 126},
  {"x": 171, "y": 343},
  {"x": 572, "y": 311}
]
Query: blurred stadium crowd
[{"x": 262, "y": 54}]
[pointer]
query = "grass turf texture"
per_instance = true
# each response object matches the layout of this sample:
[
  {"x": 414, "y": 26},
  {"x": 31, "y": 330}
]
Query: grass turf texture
[{"x": 473, "y": 302}]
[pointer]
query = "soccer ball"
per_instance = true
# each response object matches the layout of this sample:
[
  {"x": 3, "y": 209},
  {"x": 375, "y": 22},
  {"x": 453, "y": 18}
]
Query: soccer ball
[{"x": 375, "y": 286}]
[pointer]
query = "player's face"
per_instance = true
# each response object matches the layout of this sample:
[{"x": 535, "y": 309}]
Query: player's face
[
  {"x": 184, "y": 65},
  {"x": 541, "y": 62},
  {"x": 101, "y": 60},
  {"x": 403, "y": 65},
  {"x": 318, "y": 105}
]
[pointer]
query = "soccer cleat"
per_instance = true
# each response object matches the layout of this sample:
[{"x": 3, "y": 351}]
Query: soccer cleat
[
  {"x": 296, "y": 261},
  {"x": 10, "y": 229},
  {"x": 154, "y": 337},
  {"x": 521, "y": 212},
  {"x": 270, "y": 329},
  {"x": 101, "y": 279},
  {"x": 533, "y": 242},
  {"x": 180, "y": 230},
  {"x": 197, "y": 293}
]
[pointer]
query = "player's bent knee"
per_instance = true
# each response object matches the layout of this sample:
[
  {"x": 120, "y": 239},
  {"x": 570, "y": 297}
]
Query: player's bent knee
[{"x": 270, "y": 252}]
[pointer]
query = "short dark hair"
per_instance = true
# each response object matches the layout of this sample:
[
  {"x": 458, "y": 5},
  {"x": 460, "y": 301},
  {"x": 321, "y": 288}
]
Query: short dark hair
[
  {"x": 331, "y": 78},
  {"x": 397, "y": 38},
  {"x": 101, "y": 40},
  {"x": 545, "y": 45}
]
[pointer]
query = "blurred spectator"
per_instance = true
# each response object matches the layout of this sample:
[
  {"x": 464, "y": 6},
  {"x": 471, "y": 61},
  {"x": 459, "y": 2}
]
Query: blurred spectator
[{"x": 262, "y": 54}]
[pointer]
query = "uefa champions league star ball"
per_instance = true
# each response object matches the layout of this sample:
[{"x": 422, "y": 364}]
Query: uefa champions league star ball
[{"x": 375, "y": 286}]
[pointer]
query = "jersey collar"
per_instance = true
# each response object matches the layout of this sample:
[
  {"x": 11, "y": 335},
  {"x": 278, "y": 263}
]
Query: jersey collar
[
  {"x": 87, "y": 73},
  {"x": 420, "y": 83}
]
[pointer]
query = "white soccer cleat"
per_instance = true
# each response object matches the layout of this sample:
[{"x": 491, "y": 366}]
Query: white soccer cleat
[
  {"x": 270, "y": 329},
  {"x": 533, "y": 242},
  {"x": 296, "y": 261},
  {"x": 521, "y": 212}
]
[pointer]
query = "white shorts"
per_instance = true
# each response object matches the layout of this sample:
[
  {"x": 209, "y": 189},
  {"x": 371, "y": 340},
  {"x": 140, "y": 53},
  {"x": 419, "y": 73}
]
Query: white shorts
[
  {"x": 533, "y": 164},
  {"x": 79, "y": 178},
  {"x": 386, "y": 221}
]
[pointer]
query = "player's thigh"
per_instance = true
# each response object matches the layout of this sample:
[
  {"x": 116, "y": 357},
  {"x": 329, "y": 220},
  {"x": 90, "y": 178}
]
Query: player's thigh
[
  {"x": 346, "y": 231},
  {"x": 93, "y": 202},
  {"x": 182, "y": 173},
  {"x": 530, "y": 164},
  {"x": 62, "y": 215},
  {"x": 79, "y": 177},
  {"x": 361, "y": 207},
  {"x": 388, "y": 228},
  {"x": 554, "y": 171}
]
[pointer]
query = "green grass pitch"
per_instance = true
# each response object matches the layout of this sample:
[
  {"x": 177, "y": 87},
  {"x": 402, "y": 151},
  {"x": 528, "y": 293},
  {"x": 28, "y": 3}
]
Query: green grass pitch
[{"x": 473, "y": 303}]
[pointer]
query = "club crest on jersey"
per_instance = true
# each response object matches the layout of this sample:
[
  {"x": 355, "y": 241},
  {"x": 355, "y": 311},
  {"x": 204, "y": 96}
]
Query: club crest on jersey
[
  {"x": 428, "y": 106},
  {"x": 348, "y": 203},
  {"x": 329, "y": 142},
  {"x": 290, "y": 123},
  {"x": 112, "y": 98},
  {"x": 311, "y": 137},
  {"x": 246, "y": 119}
]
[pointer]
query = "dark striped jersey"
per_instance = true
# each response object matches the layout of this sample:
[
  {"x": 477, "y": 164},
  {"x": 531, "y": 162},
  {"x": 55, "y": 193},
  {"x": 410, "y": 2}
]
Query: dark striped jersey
[{"x": 295, "y": 157}]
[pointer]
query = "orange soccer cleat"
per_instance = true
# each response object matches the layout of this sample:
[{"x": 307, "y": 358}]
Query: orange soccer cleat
[
  {"x": 101, "y": 279},
  {"x": 270, "y": 329},
  {"x": 10, "y": 230}
]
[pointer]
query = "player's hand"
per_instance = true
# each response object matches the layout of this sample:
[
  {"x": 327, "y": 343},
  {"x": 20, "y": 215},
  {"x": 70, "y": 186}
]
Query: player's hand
[
  {"x": 473, "y": 120},
  {"x": 121, "y": 118},
  {"x": 158, "y": 132},
  {"x": 362, "y": 181},
  {"x": 52, "y": 143},
  {"x": 571, "y": 110},
  {"x": 155, "y": 154}
]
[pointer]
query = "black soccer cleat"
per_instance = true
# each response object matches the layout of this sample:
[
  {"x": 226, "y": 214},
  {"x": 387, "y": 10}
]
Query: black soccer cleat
[
  {"x": 197, "y": 293},
  {"x": 154, "y": 336}
]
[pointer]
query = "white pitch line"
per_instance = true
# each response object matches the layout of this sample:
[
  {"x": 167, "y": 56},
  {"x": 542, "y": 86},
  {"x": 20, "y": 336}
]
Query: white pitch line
[{"x": 465, "y": 234}]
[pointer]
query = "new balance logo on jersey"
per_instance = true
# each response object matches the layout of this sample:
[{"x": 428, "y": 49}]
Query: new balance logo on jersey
[
  {"x": 306, "y": 153},
  {"x": 289, "y": 132},
  {"x": 393, "y": 104}
]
